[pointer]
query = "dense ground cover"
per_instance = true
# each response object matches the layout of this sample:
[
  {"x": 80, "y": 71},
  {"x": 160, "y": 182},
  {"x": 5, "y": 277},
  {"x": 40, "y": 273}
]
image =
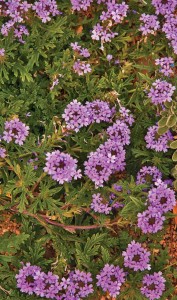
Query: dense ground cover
[{"x": 87, "y": 149}]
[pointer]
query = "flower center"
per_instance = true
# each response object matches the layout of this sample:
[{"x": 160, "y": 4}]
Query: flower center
[
  {"x": 136, "y": 258},
  {"x": 152, "y": 221},
  {"x": 113, "y": 278},
  {"x": 29, "y": 279},
  {"x": 163, "y": 200},
  {"x": 151, "y": 287},
  {"x": 99, "y": 168}
]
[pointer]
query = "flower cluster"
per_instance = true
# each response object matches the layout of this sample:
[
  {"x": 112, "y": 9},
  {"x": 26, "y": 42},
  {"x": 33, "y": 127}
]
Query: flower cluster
[
  {"x": 150, "y": 24},
  {"x": 81, "y": 4},
  {"x": 99, "y": 204},
  {"x": 164, "y": 8},
  {"x": 136, "y": 257},
  {"x": 82, "y": 51},
  {"x": 153, "y": 285},
  {"x": 77, "y": 115},
  {"x": 61, "y": 166},
  {"x": 157, "y": 142},
  {"x": 115, "y": 12},
  {"x": 165, "y": 63},
  {"x": 15, "y": 130},
  {"x": 81, "y": 67},
  {"x": 17, "y": 12},
  {"x": 126, "y": 116},
  {"x": 170, "y": 30},
  {"x": 161, "y": 92},
  {"x": 148, "y": 175},
  {"x": 107, "y": 159},
  {"x": 2, "y": 152},
  {"x": 31, "y": 280},
  {"x": 104, "y": 34},
  {"x": 111, "y": 279},
  {"x": 161, "y": 199}
]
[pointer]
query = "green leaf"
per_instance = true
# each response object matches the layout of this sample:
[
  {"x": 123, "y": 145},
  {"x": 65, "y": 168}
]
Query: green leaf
[
  {"x": 171, "y": 121},
  {"x": 174, "y": 157},
  {"x": 173, "y": 145},
  {"x": 162, "y": 122},
  {"x": 162, "y": 130}
]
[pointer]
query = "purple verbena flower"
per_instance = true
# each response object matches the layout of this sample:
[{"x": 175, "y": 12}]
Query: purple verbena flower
[
  {"x": 99, "y": 111},
  {"x": 161, "y": 92},
  {"x": 80, "y": 284},
  {"x": 162, "y": 197},
  {"x": 148, "y": 174},
  {"x": 81, "y": 67},
  {"x": 100, "y": 205},
  {"x": 157, "y": 142},
  {"x": 45, "y": 8},
  {"x": 165, "y": 63},
  {"x": 15, "y": 130},
  {"x": 119, "y": 132},
  {"x": 136, "y": 257},
  {"x": 110, "y": 279},
  {"x": 2, "y": 52},
  {"x": 164, "y": 8},
  {"x": 126, "y": 116},
  {"x": 25, "y": 278},
  {"x": 76, "y": 116},
  {"x": 2, "y": 152},
  {"x": 62, "y": 167},
  {"x": 151, "y": 24},
  {"x": 153, "y": 285},
  {"x": 150, "y": 220}
]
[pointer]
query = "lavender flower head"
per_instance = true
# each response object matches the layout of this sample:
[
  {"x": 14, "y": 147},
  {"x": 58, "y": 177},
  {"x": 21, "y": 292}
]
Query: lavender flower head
[
  {"x": 109, "y": 158},
  {"x": 162, "y": 197},
  {"x": 15, "y": 130},
  {"x": 157, "y": 142},
  {"x": 25, "y": 278},
  {"x": 2, "y": 152},
  {"x": 99, "y": 111},
  {"x": 100, "y": 205},
  {"x": 81, "y": 4},
  {"x": 161, "y": 92},
  {"x": 111, "y": 279},
  {"x": 76, "y": 116},
  {"x": 82, "y": 51},
  {"x": 153, "y": 285},
  {"x": 165, "y": 63},
  {"x": 151, "y": 220},
  {"x": 81, "y": 67},
  {"x": 164, "y": 8},
  {"x": 62, "y": 167},
  {"x": 116, "y": 12},
  {"x": 80, "y": 284},
  {"x": 151, "y": 24},
  {"x": 45, "y": 8},
  {"x": 136, "y": 257},
  {"x": 126, "y": 116},
  {"x": 46, "y": 284},
  {"x": 104, "y": 34},
  {"x": 148, "y": 174},
  {"x": 119, "y": 132},
  {"x": 2, "y": 52}
]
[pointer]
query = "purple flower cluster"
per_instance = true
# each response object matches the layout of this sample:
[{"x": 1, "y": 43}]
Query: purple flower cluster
[
  {"x": 15, "y": 130},
  {"x": 104, "y": 34},
  {"x": 150, "y": 24},
  {"x": 2, "y": 52},
  {"x": 126, "y": 116},
  {"x": 62, "y": 167},
  {"x": 164, "y": 8},
  {"x": 2, "y": 152},
  {"x": 153, "y": 285},
  {"x": 148, "y": 175},
  {"x": 115, "y": 12},
  {"x": 170, "y": 29},
  {"x": 100, "y": 205},
  {"x": 111, "y": 279},
  {"x": 17, "y": 12},
  {"x": 81, "y": 67},
  {"x": 136, "y": 257},
  {"x": 150, "y": 220},
  {"x": 107, "y": 159},
  {"x": 162, "y": 197},
  {"x": 31, "y": 280},
  {"x": 165, "y": 63},
  {"x": 156, "y": 142},
  {"x": 77, "y": 115},
  {"x": 119, "y": 132},
  {"x": 99, "y": 111},
  {"x": 81, "y": 4},
  {"x": 82, "y": 51},
  {"x": 161, "y": 92}
]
